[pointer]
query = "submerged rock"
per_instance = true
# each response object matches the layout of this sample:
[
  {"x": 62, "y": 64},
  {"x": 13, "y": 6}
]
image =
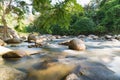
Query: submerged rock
[
  {"x": 9, "y": 73},
  {"x": 14, "y": 54},
  {"x": 53, "y": 72},
  {"x": 35, "y": 45},
  {"x": 95, "y": 71}
]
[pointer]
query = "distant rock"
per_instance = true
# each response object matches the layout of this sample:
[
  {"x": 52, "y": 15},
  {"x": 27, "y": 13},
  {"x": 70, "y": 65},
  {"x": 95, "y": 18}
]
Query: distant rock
[
  {"x": 32, "y": 37},
  {"x": 94, "y": 37},
  {"x": 117, "y": 37},
  {"x": 108, "y": 37},
  {"x": 81, "y": 36}
]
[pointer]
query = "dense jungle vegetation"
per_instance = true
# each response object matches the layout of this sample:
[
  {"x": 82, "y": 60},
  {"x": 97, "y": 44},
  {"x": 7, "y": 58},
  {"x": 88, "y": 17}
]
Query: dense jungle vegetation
[{"x": 65, "y": 17}]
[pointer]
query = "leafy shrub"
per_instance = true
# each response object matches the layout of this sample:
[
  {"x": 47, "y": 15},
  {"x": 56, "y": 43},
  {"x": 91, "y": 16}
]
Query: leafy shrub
[
  {"x": 100, "y": 29},
  {"x": 56, "y": 29},
  {"x": 83, "y": 26},
  {"x": 112, "y": 21}
]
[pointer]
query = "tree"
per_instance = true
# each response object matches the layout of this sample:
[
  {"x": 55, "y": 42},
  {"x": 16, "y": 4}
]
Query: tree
[
  {"x": 11, "y": 7},
  {"x": 108, "y": 15}
]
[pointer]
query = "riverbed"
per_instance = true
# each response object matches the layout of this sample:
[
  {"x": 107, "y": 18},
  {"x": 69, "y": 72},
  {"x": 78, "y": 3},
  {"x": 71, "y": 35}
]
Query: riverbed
[{"x": 100, "y": 61}]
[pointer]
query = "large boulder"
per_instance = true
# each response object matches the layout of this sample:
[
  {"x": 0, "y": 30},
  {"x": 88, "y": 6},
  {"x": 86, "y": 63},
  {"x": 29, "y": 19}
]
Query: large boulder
[
  {"x": 74, "y": 44},
  {"x": 13, "y": 41},
  {"x": 9, "y": 73},
  {"x": 77, "y": 44},
  {"x": 12, "y": 33},
  {"x": 2, "y": 43},
  {"x": 14, "y": 54}
]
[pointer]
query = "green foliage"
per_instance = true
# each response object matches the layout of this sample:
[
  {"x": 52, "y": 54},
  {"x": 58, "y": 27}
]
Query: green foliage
[
  {"x": 14, "y": 12},
  {"x": 111, "y": 20},
  {"x": 43, "y": 5},
  {"x": 58, "y": 14},
  {"x": 59, "y": 30},
  {"x": 67, "y": 17},
  {"x": 108, "y": 15},
  {"x": 100, "y": 29},
  {"x": 20, "y": 27},
  {"x": 83, "y": 25}
]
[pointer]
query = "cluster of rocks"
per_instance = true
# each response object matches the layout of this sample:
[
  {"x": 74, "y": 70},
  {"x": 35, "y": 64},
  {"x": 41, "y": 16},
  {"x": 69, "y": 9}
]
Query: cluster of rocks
[
  {"x": 41, "y": 40},
  {"x": 105, "y": 37}
]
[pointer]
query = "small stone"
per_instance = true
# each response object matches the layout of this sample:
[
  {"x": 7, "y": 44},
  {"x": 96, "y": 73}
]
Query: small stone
[{"x": 72, "y": 76}]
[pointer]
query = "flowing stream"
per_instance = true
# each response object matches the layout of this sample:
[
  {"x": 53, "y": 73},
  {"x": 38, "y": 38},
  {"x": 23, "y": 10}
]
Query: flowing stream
[{"x": 100, "y": 60}]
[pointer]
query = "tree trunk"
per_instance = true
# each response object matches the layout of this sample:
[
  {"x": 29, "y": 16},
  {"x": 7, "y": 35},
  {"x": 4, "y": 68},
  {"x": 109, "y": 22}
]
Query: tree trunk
[
  {"x": 5, "y": 27},
  {"x": 5, "y": 11}
]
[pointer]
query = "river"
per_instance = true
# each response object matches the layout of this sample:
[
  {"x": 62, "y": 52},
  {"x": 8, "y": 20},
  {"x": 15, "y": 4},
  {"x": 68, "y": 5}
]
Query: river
[{"x": 100, "y": 61}]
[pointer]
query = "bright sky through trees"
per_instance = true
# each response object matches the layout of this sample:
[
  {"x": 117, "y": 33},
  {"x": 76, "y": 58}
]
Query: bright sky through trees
[{"x": 82, "y": 2}]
